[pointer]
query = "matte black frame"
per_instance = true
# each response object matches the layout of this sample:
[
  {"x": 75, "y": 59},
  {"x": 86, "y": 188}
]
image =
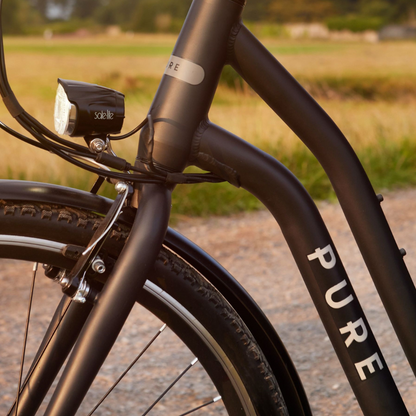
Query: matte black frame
[{"x": 213, "y": 36}]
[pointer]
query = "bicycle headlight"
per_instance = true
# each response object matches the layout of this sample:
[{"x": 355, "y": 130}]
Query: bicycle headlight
[{"x": 83, "y": 109}]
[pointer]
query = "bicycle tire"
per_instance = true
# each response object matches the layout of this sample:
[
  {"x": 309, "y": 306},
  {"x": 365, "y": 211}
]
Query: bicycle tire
[{"x": 175, "y": 292}]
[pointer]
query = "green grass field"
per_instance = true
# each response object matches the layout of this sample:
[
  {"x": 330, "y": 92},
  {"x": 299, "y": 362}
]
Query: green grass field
[{"x": 368, "y": 89}]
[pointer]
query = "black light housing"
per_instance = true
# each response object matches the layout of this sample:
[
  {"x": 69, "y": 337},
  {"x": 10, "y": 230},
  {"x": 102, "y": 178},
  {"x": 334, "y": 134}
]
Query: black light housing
[{"x": 83, "y": 109}]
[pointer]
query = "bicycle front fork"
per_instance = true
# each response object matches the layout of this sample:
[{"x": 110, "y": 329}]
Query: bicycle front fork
[{"x": 115, "y": 301}]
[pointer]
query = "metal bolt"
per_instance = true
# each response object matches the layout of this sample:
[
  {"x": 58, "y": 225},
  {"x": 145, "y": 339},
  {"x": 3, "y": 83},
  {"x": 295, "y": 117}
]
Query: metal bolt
[
  {"x": 98, "y": 266},
  {"x": 97, "y": 145},
  {"x": 82, "y": 292},
  {"x": 79, "y": 298},
  {"x": 62, "y": 278},
  {"x": 121, "y": 187}
]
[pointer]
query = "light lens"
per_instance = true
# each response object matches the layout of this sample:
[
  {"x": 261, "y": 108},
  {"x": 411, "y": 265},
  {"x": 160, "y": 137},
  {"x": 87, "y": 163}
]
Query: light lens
[{"x": 65, "y": 113}]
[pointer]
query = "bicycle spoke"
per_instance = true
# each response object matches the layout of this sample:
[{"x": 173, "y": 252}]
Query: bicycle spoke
[
  {"x": 22, "y": 362},
  {"x": 128, "y": 369},
  {"x": 214, "y": 400},
  {"x": 41, "y": 351},
  {"x": 170, "y": 386}
]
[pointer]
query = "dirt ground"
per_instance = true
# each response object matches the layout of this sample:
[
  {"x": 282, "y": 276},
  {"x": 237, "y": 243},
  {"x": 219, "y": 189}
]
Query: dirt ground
[{"x": 252, "y": 248}]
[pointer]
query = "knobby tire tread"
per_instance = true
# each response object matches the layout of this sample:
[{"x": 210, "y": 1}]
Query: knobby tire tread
[{"x": 74, "y": 226}]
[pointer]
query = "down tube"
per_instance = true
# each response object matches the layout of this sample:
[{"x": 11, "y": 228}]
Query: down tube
[
  {"x": 317, "y": 259},
  {"x": 352, "y": 186}
]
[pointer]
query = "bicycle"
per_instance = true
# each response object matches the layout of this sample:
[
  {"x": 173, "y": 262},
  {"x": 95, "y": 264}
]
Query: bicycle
[{"x": 106, "y": 255}]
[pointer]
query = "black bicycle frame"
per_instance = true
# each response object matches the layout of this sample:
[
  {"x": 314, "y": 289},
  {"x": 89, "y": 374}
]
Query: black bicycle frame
[
  {"x": 213, "y": 36},
  {"x": 352, "y": 186}
]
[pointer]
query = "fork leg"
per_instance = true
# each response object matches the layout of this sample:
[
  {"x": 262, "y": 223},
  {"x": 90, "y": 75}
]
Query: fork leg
[
  {"x": 57, "y": 343},
  {"x": 115, "y": 301}
]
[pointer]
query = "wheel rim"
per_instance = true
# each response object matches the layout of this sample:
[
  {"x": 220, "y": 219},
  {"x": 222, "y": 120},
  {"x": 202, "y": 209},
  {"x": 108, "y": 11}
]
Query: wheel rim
[{"x": 48, "y": 246}]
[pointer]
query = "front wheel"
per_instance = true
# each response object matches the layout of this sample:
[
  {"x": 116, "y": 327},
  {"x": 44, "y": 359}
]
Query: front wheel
[{"x": 226, "y": 374}]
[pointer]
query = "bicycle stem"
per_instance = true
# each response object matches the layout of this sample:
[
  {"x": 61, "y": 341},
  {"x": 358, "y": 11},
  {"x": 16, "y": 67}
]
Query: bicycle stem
[{"x": 115, "y": 301}]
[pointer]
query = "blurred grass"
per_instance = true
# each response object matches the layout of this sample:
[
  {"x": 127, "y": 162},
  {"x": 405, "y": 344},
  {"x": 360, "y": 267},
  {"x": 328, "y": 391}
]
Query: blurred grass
[
  {"x": 368, "y": 89},
  {"x": 79, "y": 49}
]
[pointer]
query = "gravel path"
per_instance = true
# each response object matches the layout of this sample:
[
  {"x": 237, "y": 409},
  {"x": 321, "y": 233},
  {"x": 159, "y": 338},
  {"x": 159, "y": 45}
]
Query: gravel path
[{"x": 252, "y": 248}]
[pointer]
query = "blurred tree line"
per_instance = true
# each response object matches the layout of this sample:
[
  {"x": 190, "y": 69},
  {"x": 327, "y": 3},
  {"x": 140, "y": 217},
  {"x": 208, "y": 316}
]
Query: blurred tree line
[{"x": 168, "y": 15}]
